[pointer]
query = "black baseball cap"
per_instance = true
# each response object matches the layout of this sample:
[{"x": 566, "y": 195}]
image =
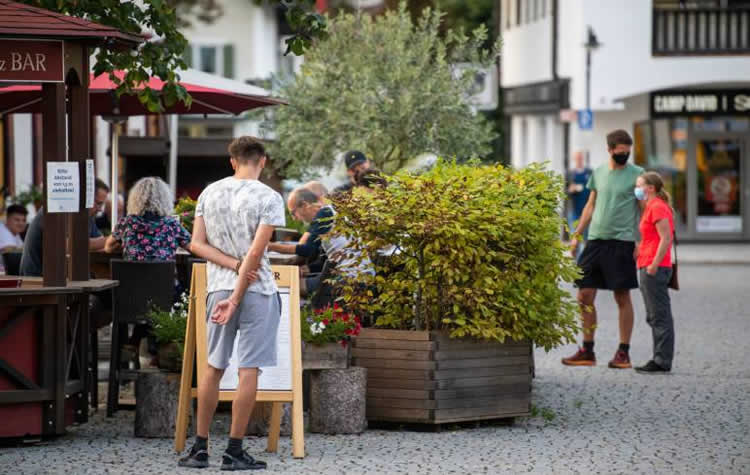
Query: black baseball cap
[{"x": 353, "y": 158}]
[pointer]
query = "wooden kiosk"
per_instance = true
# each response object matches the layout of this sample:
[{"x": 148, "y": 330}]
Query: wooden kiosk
[{"x": 46, "y": 374}]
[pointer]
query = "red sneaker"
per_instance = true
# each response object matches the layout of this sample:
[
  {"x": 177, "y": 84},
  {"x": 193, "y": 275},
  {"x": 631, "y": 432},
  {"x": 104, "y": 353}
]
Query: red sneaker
[
  {"x": 621, "y": 360},
  {"x": 581, "y": 358}
]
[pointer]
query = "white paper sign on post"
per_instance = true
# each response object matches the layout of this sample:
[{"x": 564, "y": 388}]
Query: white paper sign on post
[
  {"x": 63, "y": 187},
  {"x": 90, "y": 181}
]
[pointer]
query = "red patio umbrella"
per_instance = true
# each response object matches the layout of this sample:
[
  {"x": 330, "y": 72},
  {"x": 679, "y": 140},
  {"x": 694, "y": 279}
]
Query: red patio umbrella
[
  {"x": 103, "y": 101},
  {"x": 206, "y": 100}
]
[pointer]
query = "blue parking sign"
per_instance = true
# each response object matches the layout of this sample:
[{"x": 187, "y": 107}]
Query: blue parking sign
[{"x": 585, "y": 119}]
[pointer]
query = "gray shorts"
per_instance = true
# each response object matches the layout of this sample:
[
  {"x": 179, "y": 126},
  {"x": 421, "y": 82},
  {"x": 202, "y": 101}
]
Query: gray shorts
[{"x": 256, "y": 319}]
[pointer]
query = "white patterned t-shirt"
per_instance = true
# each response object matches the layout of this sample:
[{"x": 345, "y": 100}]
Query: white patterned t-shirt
[{"x": 232, "y": 210}]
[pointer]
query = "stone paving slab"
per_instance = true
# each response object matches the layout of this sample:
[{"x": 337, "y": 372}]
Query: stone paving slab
[{"x": 598, "y": 420}]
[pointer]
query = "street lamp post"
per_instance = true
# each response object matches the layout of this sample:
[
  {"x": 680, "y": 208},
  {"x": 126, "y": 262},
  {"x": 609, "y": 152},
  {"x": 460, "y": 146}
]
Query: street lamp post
[{"x": 591, "y": 44}]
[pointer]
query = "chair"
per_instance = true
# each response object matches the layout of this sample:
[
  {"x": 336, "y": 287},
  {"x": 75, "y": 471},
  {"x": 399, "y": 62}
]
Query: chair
[
  {"x": 141, "y": 284},
  {"x": 325, "y": 294},
  {"x": 12, "y": 263}
]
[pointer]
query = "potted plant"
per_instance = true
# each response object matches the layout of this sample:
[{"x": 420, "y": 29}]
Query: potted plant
[
  {"x": 468, "y": 265},
  {"x": 326, "y": 334},
  {"x": 31, "y": 196},
  {"x": 185, "y": 212},
  {"x": 168, "y": 329}
]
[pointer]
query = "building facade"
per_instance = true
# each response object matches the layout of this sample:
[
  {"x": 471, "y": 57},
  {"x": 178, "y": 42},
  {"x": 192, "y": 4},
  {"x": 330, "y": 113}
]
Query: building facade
[{"x": 676, "y": 74}]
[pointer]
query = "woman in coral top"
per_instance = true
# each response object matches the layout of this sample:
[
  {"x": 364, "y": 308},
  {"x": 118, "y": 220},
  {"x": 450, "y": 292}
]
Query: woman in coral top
[{"x": 655, "y": 268}]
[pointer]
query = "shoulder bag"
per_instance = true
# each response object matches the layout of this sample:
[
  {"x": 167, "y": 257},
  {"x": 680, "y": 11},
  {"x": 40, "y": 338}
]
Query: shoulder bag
[{"x": 674, "y": 282}]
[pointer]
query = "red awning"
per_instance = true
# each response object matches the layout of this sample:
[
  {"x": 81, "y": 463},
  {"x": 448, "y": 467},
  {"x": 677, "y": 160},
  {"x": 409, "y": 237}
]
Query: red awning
[{"x": 206, "y": 100}]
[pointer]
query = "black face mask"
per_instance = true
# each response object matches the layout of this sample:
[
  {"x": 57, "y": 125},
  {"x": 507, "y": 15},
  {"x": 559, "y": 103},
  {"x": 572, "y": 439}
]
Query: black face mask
[{"x": 620, "y": 158}]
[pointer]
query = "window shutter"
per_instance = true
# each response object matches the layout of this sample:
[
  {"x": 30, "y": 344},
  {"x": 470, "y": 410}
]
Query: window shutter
[
  {"x": 187, "y": 56},
  {"x": 229, "y": 61}
]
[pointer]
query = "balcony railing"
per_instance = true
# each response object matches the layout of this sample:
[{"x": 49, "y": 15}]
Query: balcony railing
[{"x": 700, "y": 31}]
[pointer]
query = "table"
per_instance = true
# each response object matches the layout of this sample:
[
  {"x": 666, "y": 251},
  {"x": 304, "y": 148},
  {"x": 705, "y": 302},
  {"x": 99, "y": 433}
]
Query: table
[{"x": 45, "y": 366}]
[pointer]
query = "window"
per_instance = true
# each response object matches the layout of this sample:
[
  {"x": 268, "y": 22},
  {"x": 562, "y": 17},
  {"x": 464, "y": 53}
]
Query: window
[
  {"x": 211, "y": 57},
  {"x": 207, "y": 57},
  {"x": 519, "y": 6}
]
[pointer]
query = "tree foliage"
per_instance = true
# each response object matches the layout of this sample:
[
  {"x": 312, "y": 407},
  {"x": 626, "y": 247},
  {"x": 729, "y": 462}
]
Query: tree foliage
[
  {"x": 387, "y": 86},
  {"x": 162, "y": 56},
  {"x": 153, "y": 58},
  {"x": 478, "y": 253}
]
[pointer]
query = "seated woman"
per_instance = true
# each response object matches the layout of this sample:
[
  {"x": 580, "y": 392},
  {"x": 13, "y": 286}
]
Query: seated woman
[{"x": 147, "y": 233}]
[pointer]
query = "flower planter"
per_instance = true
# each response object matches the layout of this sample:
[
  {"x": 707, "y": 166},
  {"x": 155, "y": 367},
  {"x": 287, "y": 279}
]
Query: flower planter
[
  {"x": 426, "y": 377},
  {"x": 327, "y": 356},
  {"x": 170, "y": 357}
]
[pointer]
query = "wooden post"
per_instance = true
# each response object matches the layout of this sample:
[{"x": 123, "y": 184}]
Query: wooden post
[
  {"x": 78, "y": 122},
  {"x": 53, "y": 124}
]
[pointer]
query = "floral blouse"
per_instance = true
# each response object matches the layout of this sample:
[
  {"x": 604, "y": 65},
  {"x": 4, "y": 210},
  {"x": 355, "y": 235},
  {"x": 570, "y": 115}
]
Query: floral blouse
[{"x": 150, "y": 237}]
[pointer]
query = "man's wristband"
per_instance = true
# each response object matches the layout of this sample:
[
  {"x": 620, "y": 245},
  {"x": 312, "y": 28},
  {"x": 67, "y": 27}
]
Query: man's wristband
[{"x": 237, "y": 267}]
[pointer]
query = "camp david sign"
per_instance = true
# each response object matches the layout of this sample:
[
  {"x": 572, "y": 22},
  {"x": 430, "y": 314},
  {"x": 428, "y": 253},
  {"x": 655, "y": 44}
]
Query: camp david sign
[
  {"x": 700, "y": 102},
  {"x": 24, "y": 60}
]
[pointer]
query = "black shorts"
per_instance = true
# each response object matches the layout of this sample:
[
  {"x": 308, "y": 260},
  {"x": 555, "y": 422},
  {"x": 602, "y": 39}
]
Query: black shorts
[{"x": 608, "y": 265}]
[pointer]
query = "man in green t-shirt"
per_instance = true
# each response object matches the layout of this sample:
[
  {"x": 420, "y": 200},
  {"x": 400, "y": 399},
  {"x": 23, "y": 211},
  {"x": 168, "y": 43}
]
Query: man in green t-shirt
[{"x": 608, "y": 261}]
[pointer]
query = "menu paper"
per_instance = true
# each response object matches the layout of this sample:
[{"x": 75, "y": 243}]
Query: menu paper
[
  {"x": 90, "y": 184},
  {"x": 63, "y": 185},
  {"x": 276, "y": 378}
]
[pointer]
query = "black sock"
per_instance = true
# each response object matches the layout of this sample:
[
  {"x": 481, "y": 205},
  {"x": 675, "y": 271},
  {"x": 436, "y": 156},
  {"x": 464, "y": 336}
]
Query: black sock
[
  {"x": 234, "y": 447},
  {"x": 201, "y": 443},
  {"x": 624, "y": 347},
  {"x": 588, "y": 346}
]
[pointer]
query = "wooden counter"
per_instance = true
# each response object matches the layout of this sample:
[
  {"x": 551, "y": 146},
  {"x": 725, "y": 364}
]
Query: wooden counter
[{"x": 45, "y": 367}]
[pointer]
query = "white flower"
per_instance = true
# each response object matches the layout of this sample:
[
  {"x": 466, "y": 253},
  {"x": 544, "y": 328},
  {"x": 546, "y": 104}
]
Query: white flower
[{"x": 317, "y": 328}]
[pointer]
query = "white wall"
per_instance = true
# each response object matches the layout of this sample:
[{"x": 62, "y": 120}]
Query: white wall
[
  {"x": 595, "y": 141},
  {"x": 23, "y": 152},
  {"x": 527, "y": 53},
  {"x": 100, "y": 149},
  {"x": 624, "y": 66},
  {"x": 251, "y": 29}
]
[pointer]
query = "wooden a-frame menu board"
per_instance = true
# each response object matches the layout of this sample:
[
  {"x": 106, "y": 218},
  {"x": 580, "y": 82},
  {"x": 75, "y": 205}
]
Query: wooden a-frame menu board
[{"x": 277, "y": 385}]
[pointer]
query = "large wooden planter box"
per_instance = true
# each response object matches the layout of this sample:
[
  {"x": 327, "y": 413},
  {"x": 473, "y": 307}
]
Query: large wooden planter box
[{"x": 426, "y": 377}]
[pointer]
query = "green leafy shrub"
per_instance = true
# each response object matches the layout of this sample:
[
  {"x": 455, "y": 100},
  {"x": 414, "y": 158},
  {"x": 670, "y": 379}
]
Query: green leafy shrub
[
  {"x": 31, "y": 196},
  {"x": 292, "y": 223},
  {"x": 168, "y": 326},
  {"x": 478, "y": 253},
  {"x": 185, "y": 209}
]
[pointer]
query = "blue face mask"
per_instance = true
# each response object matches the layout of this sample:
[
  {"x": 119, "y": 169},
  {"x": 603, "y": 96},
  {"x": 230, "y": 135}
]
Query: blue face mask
[{"x": 640, "y": 194}]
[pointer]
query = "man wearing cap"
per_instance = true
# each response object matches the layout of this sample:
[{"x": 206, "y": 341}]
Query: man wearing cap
[{"x": 356, "y": 162}]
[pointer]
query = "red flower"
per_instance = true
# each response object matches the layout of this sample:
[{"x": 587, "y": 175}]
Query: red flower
[
  {"x": 318, "y": 311},
  {"x": 345, "y": 317},
  {"x": 325, "y": 321},
  {"x": 343, "y": 343},
  {"x": 336, "y": 306}
]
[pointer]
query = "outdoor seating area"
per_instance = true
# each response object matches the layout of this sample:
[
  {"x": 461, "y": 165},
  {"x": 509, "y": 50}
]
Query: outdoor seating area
[{"x": 364, "y": 237}]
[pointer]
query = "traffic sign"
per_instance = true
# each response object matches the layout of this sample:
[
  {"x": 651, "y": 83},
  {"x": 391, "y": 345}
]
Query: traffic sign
[{"x": 585, "y": 119}]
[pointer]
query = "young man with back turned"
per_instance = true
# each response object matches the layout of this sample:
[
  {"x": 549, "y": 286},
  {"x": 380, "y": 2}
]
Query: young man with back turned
[{"x": 234, "y": 220}]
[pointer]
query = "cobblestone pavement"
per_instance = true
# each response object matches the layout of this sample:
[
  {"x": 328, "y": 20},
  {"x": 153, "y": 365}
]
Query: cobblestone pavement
[{"x": 590, "y": 420}]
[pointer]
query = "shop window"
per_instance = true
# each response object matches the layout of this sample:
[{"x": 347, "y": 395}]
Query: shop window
[
  {"x": 736, "y": 124},
  {"x": 662, "y": 146}
]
